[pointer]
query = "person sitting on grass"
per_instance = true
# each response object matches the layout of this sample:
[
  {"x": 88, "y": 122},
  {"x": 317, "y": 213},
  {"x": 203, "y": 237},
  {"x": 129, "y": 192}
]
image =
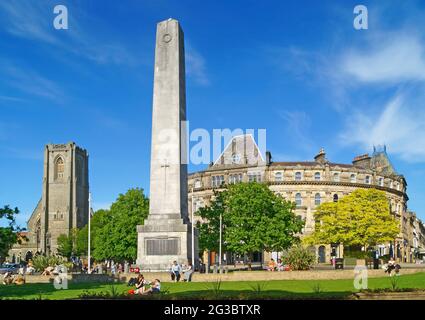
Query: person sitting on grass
[
  {"x": 280, "y": 266},
  {"x": 272, "y": 265},
  {"x": 155, "y": 287},
  {"x": 8, "y": 278},
  {"x": 188, "y": 272},
  {"x": 141, "y": 284}
]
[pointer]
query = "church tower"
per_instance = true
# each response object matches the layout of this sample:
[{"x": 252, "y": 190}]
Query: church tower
[{"x": 64, "y": 203}]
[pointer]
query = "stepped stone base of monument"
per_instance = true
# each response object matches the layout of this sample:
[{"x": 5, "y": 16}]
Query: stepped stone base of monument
[{"x": 162, "y": 239}]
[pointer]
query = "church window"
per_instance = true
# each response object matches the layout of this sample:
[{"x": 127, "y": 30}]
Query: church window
[
  {"x": 298, "y": 200},
  {"x": 317, "y": 176},
  {"x": 59, "y": 168},
  {"x": 353, "y": 178},
  {"x": 298, "y": 176},
  {"x": 317, "y": 199}
]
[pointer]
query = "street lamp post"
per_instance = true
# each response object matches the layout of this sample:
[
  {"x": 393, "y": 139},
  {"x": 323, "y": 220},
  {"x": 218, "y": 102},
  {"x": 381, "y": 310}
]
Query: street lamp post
[
  {"x": 221, "y": 236},
  {"x": 89, "y": 227},
  {"x": 193, "y": 235}
]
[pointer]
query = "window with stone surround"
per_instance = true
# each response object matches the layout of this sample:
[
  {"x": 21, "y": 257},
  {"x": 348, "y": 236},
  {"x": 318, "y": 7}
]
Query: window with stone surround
[
  {"x": 336, "y": 177},
  {"x": 353, "y": 178},
  {"x": 298, "y": 200},
  {"x": 381, "y": 182},
  {"x": 197, "y": 183},
  {"x": 335, "y": 198},
  {"x": 254, "y": 177},
  {"x": 367, "y": 179},
  {"x": 298, "y": 176},
  {"x": 278, "y": 176},
  {"x": 317, "y": 199},
  {"x": 317, "y": 176}
]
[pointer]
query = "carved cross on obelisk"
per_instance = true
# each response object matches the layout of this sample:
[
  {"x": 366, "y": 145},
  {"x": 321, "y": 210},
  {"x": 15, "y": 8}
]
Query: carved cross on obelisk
[{"x": 165, "y": 166}]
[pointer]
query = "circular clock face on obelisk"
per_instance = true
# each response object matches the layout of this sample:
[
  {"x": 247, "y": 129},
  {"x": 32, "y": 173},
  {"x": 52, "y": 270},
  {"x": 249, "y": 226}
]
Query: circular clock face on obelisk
[{"x": 236, "y": 158}]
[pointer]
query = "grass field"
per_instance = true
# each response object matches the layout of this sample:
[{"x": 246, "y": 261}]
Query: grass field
[{"x": 279, "y": 289}]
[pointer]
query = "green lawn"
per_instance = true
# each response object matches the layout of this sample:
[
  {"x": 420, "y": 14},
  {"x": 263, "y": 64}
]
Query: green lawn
[{"x": 236, "y": 290}]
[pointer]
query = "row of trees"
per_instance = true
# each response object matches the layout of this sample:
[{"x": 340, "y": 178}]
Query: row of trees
[
  {"x": 254, "y": 219},
  {"x": 113, "y": 231}
]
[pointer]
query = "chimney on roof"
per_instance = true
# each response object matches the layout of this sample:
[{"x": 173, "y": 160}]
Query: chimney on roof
[
  {"x": 321, "y": 156},
  {"x": 362, "y": 161},
  {"x": 268, "y": 158}
]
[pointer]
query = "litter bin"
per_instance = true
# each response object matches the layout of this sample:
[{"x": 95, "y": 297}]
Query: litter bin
[{"x": 339, "y": 263}]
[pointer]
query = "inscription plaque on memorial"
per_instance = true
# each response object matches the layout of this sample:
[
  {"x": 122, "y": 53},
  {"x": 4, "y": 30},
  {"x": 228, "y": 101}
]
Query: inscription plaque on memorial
[{"x": 160, "y": 247}]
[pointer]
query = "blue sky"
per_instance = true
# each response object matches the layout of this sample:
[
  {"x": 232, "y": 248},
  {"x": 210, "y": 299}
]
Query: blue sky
[{"x": 295, "y": 68}]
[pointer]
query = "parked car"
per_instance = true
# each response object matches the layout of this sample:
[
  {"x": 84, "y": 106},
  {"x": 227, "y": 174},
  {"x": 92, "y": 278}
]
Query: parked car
[{"x": 9, "y": 267}]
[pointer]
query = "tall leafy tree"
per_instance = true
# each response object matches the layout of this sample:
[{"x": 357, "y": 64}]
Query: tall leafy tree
[
  {"x": 361, "y": 218},
  {"x": 254, "y": 219},
  {"x": 117, "y": 238},
  {"x": 9, "y": 231}
]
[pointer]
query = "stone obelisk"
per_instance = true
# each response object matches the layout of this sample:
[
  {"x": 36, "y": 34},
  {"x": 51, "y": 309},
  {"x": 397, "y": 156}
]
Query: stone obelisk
[{"x": 166, "y": 233}]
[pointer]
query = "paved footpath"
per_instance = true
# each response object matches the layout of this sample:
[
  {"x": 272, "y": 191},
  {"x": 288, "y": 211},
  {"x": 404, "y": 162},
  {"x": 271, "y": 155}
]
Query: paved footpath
[{"x": 235, "y": 276}]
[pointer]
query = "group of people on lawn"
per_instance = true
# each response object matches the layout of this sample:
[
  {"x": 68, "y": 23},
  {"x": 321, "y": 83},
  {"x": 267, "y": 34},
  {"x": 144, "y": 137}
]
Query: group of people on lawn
[
  {"x": 144, "y": 286},
  {"x": 277, "y": 266}
]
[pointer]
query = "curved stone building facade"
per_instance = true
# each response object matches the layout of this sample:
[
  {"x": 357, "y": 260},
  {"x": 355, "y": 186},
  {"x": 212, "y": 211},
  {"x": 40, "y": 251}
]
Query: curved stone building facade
[{"x": 308, "y": 184}]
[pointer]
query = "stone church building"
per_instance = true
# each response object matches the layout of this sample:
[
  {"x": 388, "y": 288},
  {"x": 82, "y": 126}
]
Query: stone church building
[{"x": 63, "y": 204}]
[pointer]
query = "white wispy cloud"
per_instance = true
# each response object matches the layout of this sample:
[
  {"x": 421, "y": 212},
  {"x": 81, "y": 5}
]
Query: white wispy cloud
[
  {"x": 196, "y": 66},
  {"x": 31, "y": 82},
  {"x": 33, "y": 20},
  {"x": 400, "y": 125},
  {"x": 388, "y": 58}
]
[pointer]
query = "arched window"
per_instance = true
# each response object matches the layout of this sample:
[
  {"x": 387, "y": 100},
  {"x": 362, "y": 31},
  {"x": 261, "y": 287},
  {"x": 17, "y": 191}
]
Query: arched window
[
  {"x": 298, "y": 176},
  {"x": 335, "y": 198},
  {"x": 367, "y": 180},
  {"x": 298, "y": 200},
  {"x": 278, "y": 176},
  {"x": 317, "y": 199},
  {"x": 353, "y": 178},
  {"x": 336, "y": 177},
  {"x": 59, "y": 168},
  {"x": 317, "y": 176}
]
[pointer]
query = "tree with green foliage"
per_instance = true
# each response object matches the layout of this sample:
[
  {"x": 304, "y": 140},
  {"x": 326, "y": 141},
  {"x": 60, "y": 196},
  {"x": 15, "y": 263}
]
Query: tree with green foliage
[
  {"x": 254, "y": 219},
  {"x": 361, "y": 218},
  {"x": 117, "y": 237},
  {"x": 9, "y": 231},
  {"x": 67, "y": 244},
  {"x": 98, "y": 220}
]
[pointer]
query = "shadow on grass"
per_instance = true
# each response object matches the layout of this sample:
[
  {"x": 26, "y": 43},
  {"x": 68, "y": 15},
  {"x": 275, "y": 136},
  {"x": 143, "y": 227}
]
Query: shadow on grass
[{"x": 43, "y": 290}]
